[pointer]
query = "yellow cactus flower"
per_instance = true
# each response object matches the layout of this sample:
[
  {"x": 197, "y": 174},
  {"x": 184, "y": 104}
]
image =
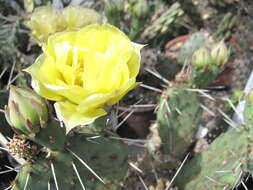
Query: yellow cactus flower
[
  {"x": 47, "y": 20},
  {"x": 85, "y": 70},
  {"x": 77, "y": 16},
  {"x": 44, "y": 21}
]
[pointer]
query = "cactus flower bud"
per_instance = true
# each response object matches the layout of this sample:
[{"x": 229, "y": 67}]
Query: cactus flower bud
[
  {"x": 220, "y": 53},
  {"x": 201, "y": 57},
  {"x": 26, "y": 111},
  {"x": 47, "y": 20},
  {"x": 44, "y": 21}
]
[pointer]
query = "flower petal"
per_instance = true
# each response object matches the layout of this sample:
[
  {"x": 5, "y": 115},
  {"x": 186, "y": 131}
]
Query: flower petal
[
  {"x": 77, "y": 16},
  {"x": 107, "y": 36},
  {"x": 45, "y": 92},
  {"x": 135, "y": 60},
  {"x": 41, "y": 76},
  {"x": 100, "y": 100},
  {"x": 71, "y": 117}
]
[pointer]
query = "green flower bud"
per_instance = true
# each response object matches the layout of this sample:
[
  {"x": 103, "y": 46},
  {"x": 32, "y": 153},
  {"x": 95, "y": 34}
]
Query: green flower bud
[
  {"x": 220, "y": 53},
  {"x": 26, "y": 111},
  {"x": 201, "y": 57},
  {"x": 140, "y": 8}
]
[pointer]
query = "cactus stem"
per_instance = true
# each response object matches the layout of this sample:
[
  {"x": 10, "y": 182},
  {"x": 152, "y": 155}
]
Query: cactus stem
[
  {"x": 137, "y": 142},
  {"x": 78, "y": 176},
  {"x": 151, "y": 88},
  {"x": 11, "y": 74},
  {"x": 2, "y": 73},
  {"x": 207, "y": 110},
  {"x": 86, "y": 165},
  {"x": 214, "y": 181},
  {"x": 123, "y": 121},
  {"x": 142, "y": 181},
  {"x": 27, "y": 179},
  {"x": 1, "y": 148},
  {"x": 243, "y": 184},
  {"x": 8, "y": 187},
  {"x": 178, "y": 110},
  {"x": 232, "y": 105},
  {"x": 48, "y": 185},
  {"x": 178, "y": 170},
  {"x": 238, "y": 179},
  {"x": 166, "y": 105},
  {"x": 202, "y": 92},
  {"x": 55, "y": 179},
  {"x": 135, "y": 167},
  {"x": 6, "y": 171},
  {"x": 228, "y": 120},
  {"x": 93, "y": 137},
  {"x": 156, "y": 74},
  {"x": 10, "y": 168},
  {"x": 125, "y": 110}
]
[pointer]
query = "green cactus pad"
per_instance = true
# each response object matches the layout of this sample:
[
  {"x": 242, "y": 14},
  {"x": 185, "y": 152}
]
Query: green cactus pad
[
  {"x": 51, "y": 136},
  {"x": 178, "y": 128},
  {"x": 202, "y": 77},
  {"x": 218, "y": 167},
  {"x": 107, "y": 158}
]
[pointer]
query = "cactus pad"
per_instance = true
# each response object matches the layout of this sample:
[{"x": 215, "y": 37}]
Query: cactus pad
[
  {"x": 107, "y": 158},
  {"x": 178, "y": 125},
  {"x": 220, "y": 167}
]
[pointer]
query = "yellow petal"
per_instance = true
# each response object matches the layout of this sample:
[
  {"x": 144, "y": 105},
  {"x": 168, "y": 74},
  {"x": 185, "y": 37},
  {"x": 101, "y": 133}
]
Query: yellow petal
[
  {"x": 100, "y": 100},
  {"x": 102, "y": 38},
  {"x": 45, "y": 92},
  {"x": 77, "y": 16},
  {"x": 134, "y": 62},
  {"x": 60, "y": 39},
  {"x": 74, "y": 94},
  {"x": 71, "y": 117},
  {"x": 41, "y": 77},
  {"x": 45, "y": 20},
  {"x": 102, "y": 73},
  {"x": 44, "y": 70},
  {"x": 131, "y": 84},
  {"x": 116, "y": 75}
]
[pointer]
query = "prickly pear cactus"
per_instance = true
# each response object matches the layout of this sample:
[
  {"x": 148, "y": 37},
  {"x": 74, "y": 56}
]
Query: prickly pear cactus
[
  {"x": 223, "y": 164},
  {"x": 202, "y": 77},
  {"x": 224, "y": 30},
  {"x": 178, "y": 119},
  {"x": 164, "y": 20},
  {"x": 206, "y": 65},
  {"x": 67, "y": 169}
]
